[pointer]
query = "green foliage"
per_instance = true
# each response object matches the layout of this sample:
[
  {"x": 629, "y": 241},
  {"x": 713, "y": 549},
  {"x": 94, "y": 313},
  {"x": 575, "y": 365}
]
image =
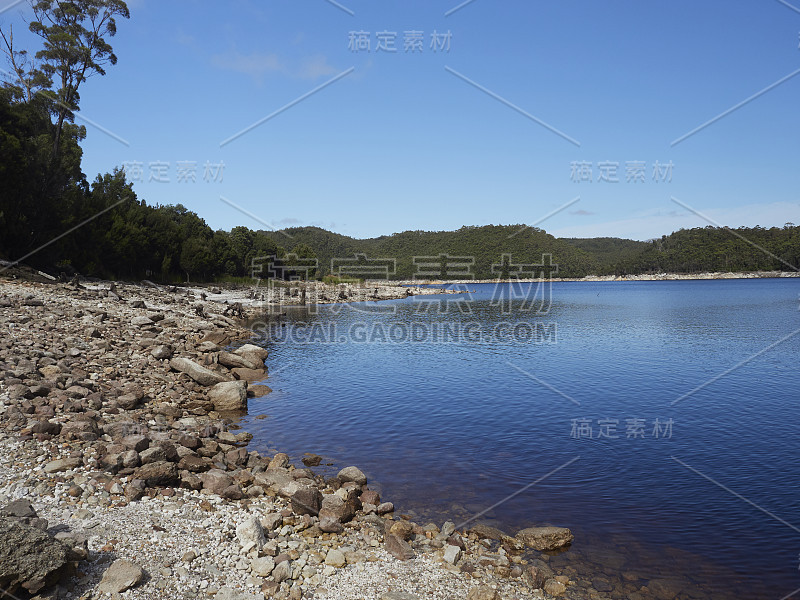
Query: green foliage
[{"x": 74, "y": 37}]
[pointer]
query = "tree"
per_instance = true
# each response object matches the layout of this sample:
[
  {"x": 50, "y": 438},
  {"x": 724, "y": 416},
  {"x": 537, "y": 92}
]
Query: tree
[
  {"x": 75, "y": 47},
  {"x": 196, "y": 257}
]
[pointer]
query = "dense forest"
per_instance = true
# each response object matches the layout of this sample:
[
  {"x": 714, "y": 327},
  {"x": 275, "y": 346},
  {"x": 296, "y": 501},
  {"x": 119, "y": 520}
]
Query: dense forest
[{"x": 53, "y": 218}]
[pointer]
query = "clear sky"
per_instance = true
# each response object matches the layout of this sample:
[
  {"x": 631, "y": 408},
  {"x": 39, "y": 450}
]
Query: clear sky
[{"x": 481, "y": 129}]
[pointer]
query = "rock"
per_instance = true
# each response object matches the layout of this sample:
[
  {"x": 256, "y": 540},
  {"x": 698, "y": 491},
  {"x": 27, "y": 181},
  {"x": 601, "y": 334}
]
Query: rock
[
  {"x": 402, "y": 529},
  {"x": 545, "y": 538},
  {"x": 229, "y": 396},
  {"x": 120, "y": 576},
  {"x": 398, "y": 548},
  {"x": 279, "y": 461},
  {"x": 335, "y": 558},
  {"x": 161, "y": 352},
  {"x": 29, "y": 558},
  {"x": 398, "y": 596},
  {"x": 271, "y": 521},
  {"x": 159, "y": 474},
  {"x": 64, "y": 464},
  {"x": 353, "y": 474},
  {"x": 141, "y": 321},
  {"x": 233, "y": 361},
  {"x": 334, "y": 507},
  {"x": 152, "y": 454},
  {"x": 329, "y": 524},
  {"x": 282, "y": 571},
  {"x": 484, "y": 531},
  {"x": 262, "y": 567},
  {"x": 482, "y": 592},
  {"x": 216, "y": 481},
  {"x": 307, "y": 501},
  {"x": 21, "y": 509},
  {"x": 452, "y": 554},
  {"x": 311, "y": 460},
  {"x": 259, "y": 391},
  {"x": 666, "y": 589},
  {"x": 370, "y": 497},
  {"x": 556, "y": 588},
  {"x": 384, "y": 508},
  {"x": 249, "y": 375},
  {"x": 537, "y": 573},
  {"x": 229, "y": 593},
  {"x": 193, "y": 463},
  {"x": 136, "y": 442},
  {"x": 199, "y": 373},
  {"x": 251, "y": 532},
  {"x": 253, "y": 353},
  {"x": 135, "y": 490},
  {"x": 129, "y": 401}
]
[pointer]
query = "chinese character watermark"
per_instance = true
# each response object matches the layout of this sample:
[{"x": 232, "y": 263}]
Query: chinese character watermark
[
  {"x": 581, "y": 171},
  {"x": 612, "y": 429},
  {"x": 386, "y": 41}
]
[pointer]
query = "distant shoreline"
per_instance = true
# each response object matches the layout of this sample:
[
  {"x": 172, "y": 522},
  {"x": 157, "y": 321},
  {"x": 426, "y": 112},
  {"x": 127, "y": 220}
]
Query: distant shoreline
[{"x": 642, "y": 277}]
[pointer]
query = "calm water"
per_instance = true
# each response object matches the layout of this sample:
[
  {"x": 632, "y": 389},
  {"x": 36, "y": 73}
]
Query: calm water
[{"x": 448, "y": 428}]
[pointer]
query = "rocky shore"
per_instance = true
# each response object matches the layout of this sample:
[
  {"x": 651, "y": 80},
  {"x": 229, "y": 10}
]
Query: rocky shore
[{"x": 122, "y": 472}]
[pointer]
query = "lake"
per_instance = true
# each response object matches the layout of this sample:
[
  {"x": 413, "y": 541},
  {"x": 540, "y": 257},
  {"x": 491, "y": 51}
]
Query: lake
[{"x": 658, "y": 420}]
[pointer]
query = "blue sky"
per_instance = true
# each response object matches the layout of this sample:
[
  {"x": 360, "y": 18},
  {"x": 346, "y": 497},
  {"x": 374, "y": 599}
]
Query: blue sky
[{"x": 427, "y": 139}]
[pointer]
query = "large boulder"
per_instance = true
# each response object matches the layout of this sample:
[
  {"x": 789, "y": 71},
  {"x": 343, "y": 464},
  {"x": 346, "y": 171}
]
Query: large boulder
[
  {"x": 545, "y": 538},
  {"x": 216, "y": 481},
  {"x": 229, "y": 396},
  {"x": 353, "y": 474},
  {"x": 253, "y": 354},
  {"x": 307, "y": 501},
  {"x": 233, "y": 361},
  {"x": 29, "y": 558},
  {"x": 398, "y": 548},
  {"x": 159, "y": 474},
  {"x": 249, "y": 375},
  {"x": 197, "y": 372}
]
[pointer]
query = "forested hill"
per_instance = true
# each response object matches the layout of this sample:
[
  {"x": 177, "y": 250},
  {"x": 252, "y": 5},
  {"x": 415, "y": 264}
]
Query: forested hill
[
  {"x": 685, "y": 251},
  {"x": 444, "y": 254}
]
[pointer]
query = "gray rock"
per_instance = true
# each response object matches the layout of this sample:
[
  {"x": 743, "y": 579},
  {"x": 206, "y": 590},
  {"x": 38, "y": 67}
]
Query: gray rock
[
  {"x": 216, "y": 481},
  {"x": 64, "y": 464},
  {"x": 353, "y": 474},
  {"x": 398, "y": 547},
  {"x": 229, "y": 396},
  {"x": 235, "y": 361},
  {"x": 482, "y": 592},
  {"x": 307, "y": 501},
  {"x": 161, "y": 352},
  {"x": 452, "y": 554},
  {"x": 120, "y": 576},
  {"x": 228, "y": 593},
  {"x": 159, "y": 474},
  {"x": 398, "y": 596},
  {"x": 282, "y": 571},
  {"x": 262, "y": 567},
  {"x": 251, "y": 531},
  {"x": 545, "y": 538},
  {"x": 335, "y": 558},
  {"x": 152, "y": 454},
  {"x": 271, "y": 521},
  {"x": 29, "y": 558},
  {"x": 20, "y": 508},
  {"x": 556, "y": 588},
  {"x": 141, "y": 321},
  {"x": 334, "y": 507},
  {"x": 197, "y": 372}
]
